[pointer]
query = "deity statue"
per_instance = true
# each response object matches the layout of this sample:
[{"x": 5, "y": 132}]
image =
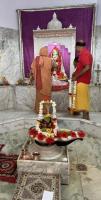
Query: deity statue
[
  {"x": 58, "y": 68},
  {"x": 56, "y": 59},
  {"x": 59, "y": 77}
]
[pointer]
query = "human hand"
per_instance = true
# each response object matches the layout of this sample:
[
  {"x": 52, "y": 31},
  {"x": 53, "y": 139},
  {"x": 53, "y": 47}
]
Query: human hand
[{"x": 74, "y": 77}]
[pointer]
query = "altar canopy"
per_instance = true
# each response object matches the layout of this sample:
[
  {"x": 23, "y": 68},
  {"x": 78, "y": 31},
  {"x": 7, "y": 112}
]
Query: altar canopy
[{"x": 80, "y": 17}]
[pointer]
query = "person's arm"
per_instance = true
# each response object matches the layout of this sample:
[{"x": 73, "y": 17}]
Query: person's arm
[
  {"x": 83, "y": 71},
  {"x": 33, "y": 68},
  {"x": 31, "y": 78}
]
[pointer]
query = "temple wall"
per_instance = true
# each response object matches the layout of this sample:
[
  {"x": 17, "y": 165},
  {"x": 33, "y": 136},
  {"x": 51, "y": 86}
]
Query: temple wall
[
  {"x": 10, "y": 59},
  {"x": 22, "y": 98},
  {"x": 9, "y": 55}
]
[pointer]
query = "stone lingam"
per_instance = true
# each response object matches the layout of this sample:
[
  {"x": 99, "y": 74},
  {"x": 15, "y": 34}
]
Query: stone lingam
[
  {"x": 46, "y": 137},
  {"x": 46, "y": 148}
]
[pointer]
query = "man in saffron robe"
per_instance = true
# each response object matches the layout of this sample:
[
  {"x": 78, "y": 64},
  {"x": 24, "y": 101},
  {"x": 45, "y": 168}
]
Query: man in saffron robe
[
  {"x": 41, "y": 69},
  {"x": 83, "y": 77}
]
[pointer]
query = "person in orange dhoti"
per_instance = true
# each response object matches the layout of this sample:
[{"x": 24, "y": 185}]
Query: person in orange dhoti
[
  {"x": 83, "y": 77},
  {"x": 41, "y": 69}
]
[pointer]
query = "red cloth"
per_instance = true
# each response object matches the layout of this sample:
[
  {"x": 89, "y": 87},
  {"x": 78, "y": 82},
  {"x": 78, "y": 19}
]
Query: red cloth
[
  {"x": 85, "y": 58},
  {"x": 38, "y": 74}
]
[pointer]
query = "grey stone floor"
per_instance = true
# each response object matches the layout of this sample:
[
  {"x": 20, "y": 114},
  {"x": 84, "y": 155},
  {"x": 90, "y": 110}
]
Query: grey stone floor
[
  {"x": 84, "y": 184},
  {"x": 14, "y": 114}
]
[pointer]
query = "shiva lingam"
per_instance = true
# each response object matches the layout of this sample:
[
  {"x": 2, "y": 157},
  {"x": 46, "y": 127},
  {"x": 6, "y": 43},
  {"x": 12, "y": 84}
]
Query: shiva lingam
[{"x": 46, "y": 131}]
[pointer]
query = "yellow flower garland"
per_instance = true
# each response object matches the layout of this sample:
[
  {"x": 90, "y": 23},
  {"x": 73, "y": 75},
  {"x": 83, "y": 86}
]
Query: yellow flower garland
[{"x": 72, "y": 95}]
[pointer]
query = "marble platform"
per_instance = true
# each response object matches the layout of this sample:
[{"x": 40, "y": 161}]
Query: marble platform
[
  {"x": 55, "y": 163},
  {"x": 23, "y": 98}
]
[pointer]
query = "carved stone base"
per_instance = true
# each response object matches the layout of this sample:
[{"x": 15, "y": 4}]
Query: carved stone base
[
  {"x": 57, "y": 164},
  {"x": 50, "y": 152}
]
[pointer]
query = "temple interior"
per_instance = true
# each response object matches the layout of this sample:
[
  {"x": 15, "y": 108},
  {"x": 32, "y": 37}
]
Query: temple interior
[{"x": 79, "y": 168}]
